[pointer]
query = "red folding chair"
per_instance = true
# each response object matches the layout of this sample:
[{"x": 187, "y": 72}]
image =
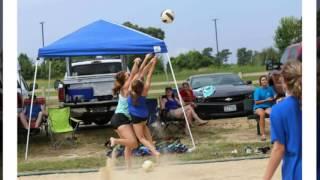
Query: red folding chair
[{"x": 44, "y": 123}]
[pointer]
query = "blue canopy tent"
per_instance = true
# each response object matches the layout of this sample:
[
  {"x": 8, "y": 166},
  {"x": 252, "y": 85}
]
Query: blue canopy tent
[{"x": 103, "y": 38}]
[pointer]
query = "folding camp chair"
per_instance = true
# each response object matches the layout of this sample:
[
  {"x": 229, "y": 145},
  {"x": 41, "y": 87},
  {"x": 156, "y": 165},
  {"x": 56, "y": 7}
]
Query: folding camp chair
[
  {"x": 59, "y": 124},
  {"x": 152, "y": 105},
  {"x": 44, "y": 122},
  {"x": 169, "y": 121}
]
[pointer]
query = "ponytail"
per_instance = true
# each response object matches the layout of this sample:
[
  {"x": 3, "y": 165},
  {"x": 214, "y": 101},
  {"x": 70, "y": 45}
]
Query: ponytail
[
  {"x": 137, "y": 89},
  {"x": 292, "y": 76},
  {"x": 120, "y": 80}
]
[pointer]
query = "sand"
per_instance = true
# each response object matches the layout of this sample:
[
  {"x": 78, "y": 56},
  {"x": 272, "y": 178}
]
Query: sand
[{"x": 244, "y": 169}]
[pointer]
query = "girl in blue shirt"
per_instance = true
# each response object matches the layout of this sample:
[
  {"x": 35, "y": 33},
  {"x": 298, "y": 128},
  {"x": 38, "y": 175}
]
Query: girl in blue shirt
[
  {"x": 138, "y": 108},
  {"x": 263, "y": 100},
  {"x": 120, "y": 121},
  {"x": 286, "y": 126}
]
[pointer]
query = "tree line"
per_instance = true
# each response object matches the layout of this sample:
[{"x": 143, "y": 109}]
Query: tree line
[{"x": 288, "y": 32}]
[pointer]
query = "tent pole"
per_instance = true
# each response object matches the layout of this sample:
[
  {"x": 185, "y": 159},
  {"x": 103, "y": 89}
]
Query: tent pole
[
  {"x": 165, "y": 65},
  {"x": 49, "y": 77},
  {"x": 32, "y": 98},
  {"x": 167, "y": 78},
  {"x": 124, "y": 64},
  {"x": 68, "y": 65},
  {"x": 180, "y": 99}
]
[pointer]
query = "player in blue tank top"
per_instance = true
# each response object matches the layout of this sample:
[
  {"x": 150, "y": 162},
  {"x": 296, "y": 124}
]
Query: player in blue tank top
[
  {"x": 138, "y": 108},
  {"x": 263, "y": 100},
  {"x": 121, "y": 119},
  {"x": 286, "y": 127}
]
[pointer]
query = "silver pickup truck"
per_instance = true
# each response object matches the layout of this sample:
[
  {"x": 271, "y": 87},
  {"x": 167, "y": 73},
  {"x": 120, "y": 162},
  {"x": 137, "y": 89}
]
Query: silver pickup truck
[{"x": 87, "y": 89}]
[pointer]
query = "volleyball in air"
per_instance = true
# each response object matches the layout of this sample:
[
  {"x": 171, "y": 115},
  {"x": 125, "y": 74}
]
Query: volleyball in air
[{"x": 167, "y": 16}]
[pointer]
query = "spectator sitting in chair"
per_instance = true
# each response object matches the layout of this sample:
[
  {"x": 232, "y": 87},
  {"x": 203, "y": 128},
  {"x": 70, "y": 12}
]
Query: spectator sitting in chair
[
  {"x": 173, "y": 108},
  {"x": 263, "y": 100},
  {"x": 38, "y": 111},
  {"x": 187, "y": 95}
]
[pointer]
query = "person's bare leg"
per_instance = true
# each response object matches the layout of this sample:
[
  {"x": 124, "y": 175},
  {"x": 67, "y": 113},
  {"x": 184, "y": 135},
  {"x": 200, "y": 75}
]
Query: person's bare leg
[
  {"x": 195, "y": 116},
  {"x": 148, "y": 133},
  {"x": 127, "y": 137},
  {"x": 139, "y": 131},
  {"x": 178, "y": 113},
  {"x": 189, "y": 116},
  {"x": 127, "y": 152},
  {"x": 39, "y": 120},
  {"x": 23, "y": 120},
  {"x": 268, "y": 111},
  {"x": 261, "y": 114},
  {"x": 127, "y": 156}
]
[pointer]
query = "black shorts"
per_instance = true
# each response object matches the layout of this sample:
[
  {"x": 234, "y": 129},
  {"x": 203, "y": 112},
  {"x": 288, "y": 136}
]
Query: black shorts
[
  {"x": 264, "y": 108},
  {"x": 119, "y": 119},
  {"x": 137, "y": 120}
]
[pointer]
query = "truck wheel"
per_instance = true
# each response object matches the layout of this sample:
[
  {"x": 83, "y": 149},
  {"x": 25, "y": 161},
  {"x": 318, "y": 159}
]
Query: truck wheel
[{"x": 100, "y": 123}]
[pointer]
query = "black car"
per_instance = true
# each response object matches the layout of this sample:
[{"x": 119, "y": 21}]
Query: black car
[{"x": 229, "y": 96}]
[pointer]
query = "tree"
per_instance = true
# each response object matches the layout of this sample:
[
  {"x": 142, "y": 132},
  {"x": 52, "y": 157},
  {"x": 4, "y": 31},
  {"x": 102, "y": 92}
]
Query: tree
[
  {"x": 26, "y": 66},
  {"x": 152, "y": 31},
  {"x": 207, "y": 52},
  {"x": 193, "y": 60},
  {"x": 288, "y": 32},
  {"x": 244, "y": 56},
  {"x": 223, "y": 56}
]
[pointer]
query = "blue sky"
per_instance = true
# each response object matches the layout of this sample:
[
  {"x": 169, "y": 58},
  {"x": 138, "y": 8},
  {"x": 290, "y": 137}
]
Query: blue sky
[{"x": 246, "y": 23}]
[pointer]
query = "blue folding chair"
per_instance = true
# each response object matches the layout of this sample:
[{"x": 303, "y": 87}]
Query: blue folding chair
[{"x": 152, "y": 105}]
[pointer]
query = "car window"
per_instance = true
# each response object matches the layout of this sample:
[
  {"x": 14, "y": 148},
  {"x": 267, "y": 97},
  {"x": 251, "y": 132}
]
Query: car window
[
  {"x": 96, "y": 68},
  {"x": 293, "y": 53},
  {"x": 284, "y": 56},
  {"x": 214, "y": 80}
]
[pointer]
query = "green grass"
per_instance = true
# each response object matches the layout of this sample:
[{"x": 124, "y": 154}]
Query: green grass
[
  {"x": 153, "y": 87},
  {"x": 79, "y": 163},
  {"x": 212, "y": 141},
  {"x": 203, "y": 152},
  {"x": 181, "y": 74},
  {"x": 184, "y": 74}
]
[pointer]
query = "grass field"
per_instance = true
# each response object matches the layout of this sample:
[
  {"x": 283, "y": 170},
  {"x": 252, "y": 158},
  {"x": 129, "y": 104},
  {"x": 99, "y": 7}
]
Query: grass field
[
  {"x": 216, "y": 140},
  {"x": 181, "y": 74}
]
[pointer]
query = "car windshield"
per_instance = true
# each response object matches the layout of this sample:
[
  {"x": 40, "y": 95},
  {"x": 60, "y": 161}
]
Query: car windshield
[
  {"x": 23, "y": 82},
  {"x": 214, "y": 80},
  {"x": 96, "y": 68}
]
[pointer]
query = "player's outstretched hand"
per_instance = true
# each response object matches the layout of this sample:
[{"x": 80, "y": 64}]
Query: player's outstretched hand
[
  {"x": 137, "y": 60},
  {"x": 149, "y": 56}
]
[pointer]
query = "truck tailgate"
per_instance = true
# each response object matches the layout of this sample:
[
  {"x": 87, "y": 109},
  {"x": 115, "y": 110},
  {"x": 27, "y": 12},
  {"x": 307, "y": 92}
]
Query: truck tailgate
[{"x": 101, "y": 84}]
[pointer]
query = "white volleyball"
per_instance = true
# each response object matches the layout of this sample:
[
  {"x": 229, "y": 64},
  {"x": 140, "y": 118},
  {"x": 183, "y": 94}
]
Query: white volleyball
[
  {"x": 167, "y": 16},
  {"x": 147, "y": 166}
]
